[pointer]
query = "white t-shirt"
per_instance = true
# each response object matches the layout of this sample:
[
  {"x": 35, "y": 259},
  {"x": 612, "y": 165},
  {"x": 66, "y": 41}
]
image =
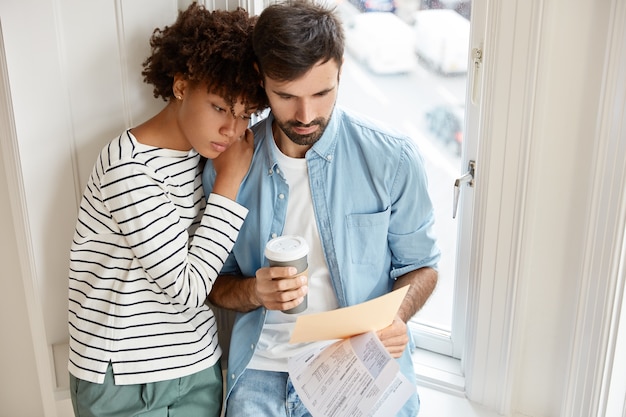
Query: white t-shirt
[{"x": 273, "y": 349}]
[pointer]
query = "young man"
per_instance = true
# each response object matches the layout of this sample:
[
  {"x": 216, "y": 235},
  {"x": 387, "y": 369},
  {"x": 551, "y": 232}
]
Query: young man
[{"x": 356, "y": 191}]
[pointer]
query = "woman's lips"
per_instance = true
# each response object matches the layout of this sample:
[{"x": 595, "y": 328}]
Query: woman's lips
[{"x": 219, "y": 146}]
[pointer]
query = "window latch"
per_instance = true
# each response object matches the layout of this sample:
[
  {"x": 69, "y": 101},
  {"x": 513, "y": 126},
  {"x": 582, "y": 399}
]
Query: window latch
[
  {"x": 468, "y": 179},
  {"x": 477, "y": 59}
]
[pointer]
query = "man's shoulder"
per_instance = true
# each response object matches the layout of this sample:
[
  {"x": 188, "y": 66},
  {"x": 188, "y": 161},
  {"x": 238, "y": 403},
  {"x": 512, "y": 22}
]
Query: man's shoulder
[
  {"x": 376, "y": 140},
  {"x": 368, "y": 133},
  {"x": 370, "y": 127}
]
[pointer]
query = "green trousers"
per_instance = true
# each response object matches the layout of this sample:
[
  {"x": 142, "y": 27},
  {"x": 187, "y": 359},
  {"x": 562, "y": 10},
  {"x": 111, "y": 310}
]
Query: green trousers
[{"x": 198, "y": 395}]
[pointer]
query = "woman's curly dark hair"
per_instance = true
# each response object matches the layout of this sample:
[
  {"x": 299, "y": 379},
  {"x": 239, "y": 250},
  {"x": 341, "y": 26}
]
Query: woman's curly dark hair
[{"x": 210, "y": 47}]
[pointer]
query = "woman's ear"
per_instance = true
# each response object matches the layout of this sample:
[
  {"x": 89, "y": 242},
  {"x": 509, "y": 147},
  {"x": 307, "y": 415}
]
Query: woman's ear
[{"x": 179, "y": 86}]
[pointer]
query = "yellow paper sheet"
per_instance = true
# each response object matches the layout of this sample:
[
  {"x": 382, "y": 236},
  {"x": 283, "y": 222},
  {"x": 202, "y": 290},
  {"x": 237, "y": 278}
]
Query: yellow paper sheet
[{"x": 345, "y": 322}]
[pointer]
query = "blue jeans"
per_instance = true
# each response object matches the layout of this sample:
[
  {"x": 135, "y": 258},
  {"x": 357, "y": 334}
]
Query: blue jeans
[
  {"x": 271, "y": 394},
  {"x": 264, "y": 393}
]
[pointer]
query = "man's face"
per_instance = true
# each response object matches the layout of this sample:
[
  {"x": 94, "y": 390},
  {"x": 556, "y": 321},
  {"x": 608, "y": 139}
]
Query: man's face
[{"x": 302, "y": 107}]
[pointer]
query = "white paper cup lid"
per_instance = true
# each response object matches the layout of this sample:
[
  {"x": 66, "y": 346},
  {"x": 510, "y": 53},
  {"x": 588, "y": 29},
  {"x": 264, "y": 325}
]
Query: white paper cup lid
[{"x": 286, "y": 248}]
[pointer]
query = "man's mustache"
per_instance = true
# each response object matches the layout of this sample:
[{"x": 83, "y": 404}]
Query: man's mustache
[{"x": 299, "y": 124}]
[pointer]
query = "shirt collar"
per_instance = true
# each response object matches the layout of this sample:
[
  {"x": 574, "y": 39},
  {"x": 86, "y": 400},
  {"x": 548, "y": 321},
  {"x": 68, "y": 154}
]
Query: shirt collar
[{"x": 325, "y": 146}]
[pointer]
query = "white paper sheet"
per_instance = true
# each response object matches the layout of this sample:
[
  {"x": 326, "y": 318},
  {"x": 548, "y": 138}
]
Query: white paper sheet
[
  {"x": 375, "y": 314},
  {"x": 353, "y": 377}
]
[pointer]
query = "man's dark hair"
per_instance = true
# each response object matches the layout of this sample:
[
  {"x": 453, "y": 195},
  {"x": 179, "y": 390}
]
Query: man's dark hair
[
  {"x": 210, "y": 47},
  {"x": 291, "y": 37}
]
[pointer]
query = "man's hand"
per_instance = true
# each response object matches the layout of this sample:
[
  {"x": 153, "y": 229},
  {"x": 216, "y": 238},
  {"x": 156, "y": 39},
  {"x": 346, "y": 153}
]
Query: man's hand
[
  {"x": 422, "y": 283},
  {"x": 278, "y": 288},
  {"x": 394, "y": 337}
]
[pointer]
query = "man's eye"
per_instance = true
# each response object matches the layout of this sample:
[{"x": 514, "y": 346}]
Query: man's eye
[
  {"x": 219, "y": 109},
  {"x": 246, "y": 116}
]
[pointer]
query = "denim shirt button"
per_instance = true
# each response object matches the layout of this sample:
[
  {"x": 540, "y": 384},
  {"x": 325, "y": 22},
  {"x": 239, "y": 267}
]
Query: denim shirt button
[
  {"x": 274, "y": 235},
  {"x": 252, "y": 347},
  {"x": 329, "y": 157},
  {"x": 232, "y": 376},
  {"x": 281, "y": 196}
]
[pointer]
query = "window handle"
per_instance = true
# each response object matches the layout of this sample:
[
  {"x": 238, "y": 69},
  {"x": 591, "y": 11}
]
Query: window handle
[{"x": 467, "y": 178}]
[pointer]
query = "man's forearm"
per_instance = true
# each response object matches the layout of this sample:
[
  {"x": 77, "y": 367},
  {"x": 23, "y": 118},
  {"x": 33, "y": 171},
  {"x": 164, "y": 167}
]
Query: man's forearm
[
  {"x": 234, "y": 293},
  {"x": 422, "y": 284}
]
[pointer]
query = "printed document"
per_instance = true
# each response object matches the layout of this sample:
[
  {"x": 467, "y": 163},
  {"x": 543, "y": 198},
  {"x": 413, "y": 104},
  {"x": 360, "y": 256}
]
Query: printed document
[{"x": 355, "y": 376}]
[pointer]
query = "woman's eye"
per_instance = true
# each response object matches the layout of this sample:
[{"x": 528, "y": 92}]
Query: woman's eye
[
  {"x": 246, "y": 116},
  {"x": 218, "y": 109}
]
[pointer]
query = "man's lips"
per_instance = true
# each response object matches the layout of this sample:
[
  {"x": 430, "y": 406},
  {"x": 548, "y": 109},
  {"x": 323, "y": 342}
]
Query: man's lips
[{"x": 305, "y": 130}]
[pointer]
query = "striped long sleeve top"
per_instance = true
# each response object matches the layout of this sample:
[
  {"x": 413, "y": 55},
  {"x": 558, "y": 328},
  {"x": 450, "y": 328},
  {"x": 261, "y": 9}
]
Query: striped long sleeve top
[{"x": 146, "y": 251}]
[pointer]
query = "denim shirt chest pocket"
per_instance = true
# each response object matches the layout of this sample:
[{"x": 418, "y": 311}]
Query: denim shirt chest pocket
[{"x": 367, "y": 235}]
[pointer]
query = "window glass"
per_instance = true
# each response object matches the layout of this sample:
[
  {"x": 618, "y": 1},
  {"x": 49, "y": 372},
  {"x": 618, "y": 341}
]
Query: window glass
[{"x": 406, "y": 64}]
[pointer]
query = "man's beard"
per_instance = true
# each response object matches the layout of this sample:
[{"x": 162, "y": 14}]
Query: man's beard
[{"x": 304, "y": 140}]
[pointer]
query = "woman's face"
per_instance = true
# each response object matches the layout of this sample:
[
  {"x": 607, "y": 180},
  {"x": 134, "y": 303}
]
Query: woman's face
[{"x": 207, "y": 123}]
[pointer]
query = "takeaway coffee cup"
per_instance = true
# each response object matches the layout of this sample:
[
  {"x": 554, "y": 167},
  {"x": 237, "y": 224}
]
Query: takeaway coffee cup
[{"x": 289, "y": 251}]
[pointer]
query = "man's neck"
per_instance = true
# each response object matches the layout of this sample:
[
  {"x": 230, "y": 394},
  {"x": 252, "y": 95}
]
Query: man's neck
[{"x": 286, "y": 145}]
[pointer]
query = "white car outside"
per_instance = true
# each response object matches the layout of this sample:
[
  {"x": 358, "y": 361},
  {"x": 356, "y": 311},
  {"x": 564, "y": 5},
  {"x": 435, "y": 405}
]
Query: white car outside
[
  {"x": 442, "y": 39},
  {"x": 382, "y": 41}
]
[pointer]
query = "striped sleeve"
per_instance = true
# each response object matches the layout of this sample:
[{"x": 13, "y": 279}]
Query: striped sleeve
[{"x": 138, "y": 200}]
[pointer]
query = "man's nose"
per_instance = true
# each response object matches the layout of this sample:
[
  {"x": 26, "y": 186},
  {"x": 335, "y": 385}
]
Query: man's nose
[{"x": 304, "y": 113}]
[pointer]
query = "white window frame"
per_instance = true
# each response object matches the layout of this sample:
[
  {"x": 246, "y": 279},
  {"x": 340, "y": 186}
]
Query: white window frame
[
  {"x": 487, "y": 266},
  {"x": 493, "y": 262}
]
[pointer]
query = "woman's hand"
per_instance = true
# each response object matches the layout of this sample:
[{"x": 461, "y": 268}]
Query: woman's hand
[{"x": 232, "y": 165}]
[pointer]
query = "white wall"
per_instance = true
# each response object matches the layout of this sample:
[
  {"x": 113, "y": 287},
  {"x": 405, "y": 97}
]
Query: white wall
[
  {"x": 19, "y": 372},
  {"x": 17, "y": 358},
  {"x": 543, "y": 132}
]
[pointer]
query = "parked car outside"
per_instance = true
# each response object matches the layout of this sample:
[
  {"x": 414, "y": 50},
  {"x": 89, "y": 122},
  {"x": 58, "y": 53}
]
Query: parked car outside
[
  {"x": 462, "y": 7},
  {"x": 375, "y": 5},
  {"x": 446, "y": 123},
  {"x": 382, "y": 41},
  {"x": 442, "y": 39}
]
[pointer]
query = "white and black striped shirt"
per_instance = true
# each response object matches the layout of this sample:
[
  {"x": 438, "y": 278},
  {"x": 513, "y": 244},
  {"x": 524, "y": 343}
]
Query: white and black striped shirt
[{"x": 146, "y": 251}]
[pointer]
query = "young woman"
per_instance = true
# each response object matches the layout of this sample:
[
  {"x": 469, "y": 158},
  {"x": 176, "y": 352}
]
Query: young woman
[{"x": 149, "y": 244}]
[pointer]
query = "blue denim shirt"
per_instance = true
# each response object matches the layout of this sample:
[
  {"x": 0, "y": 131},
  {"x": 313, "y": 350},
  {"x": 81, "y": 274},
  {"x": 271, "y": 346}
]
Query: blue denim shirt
[{"x": 373, "y": 213}]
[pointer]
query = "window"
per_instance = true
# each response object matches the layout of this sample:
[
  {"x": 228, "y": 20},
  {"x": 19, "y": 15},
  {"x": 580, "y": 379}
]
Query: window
[{"x": 411, "y": 72}]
